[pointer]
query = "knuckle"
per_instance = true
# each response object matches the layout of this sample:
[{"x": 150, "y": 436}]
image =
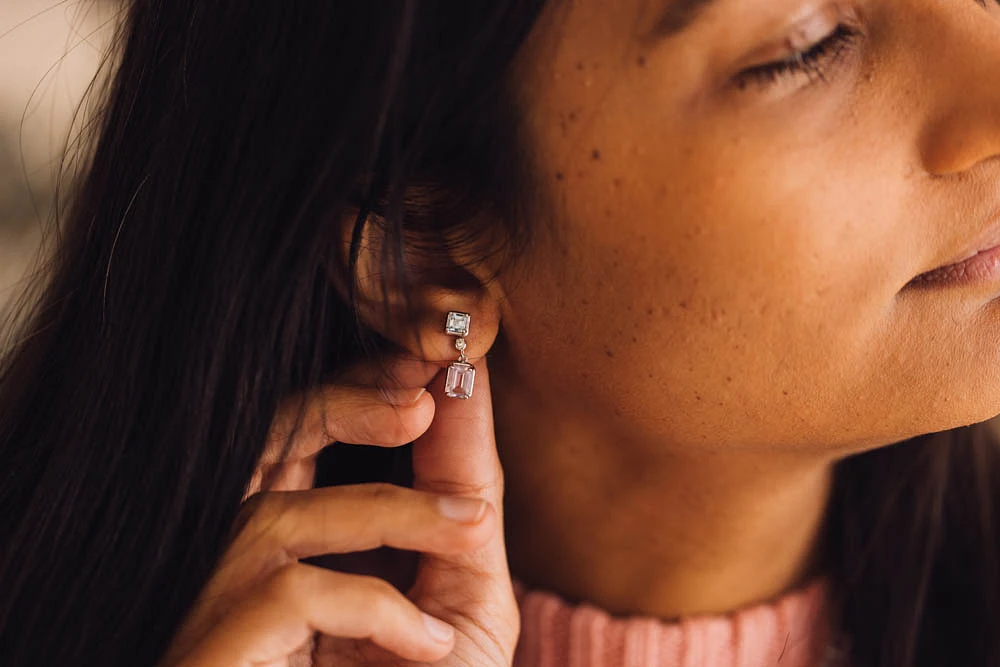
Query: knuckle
[
  {"x": 383, "y": 492},
  {"x": 260, "y": 515},
  {"x": 286, "y": 583},
  {"x": 252, "y": 503},
  {"x": 378, "y": 598},
  {"x": 263, "y": 507}
]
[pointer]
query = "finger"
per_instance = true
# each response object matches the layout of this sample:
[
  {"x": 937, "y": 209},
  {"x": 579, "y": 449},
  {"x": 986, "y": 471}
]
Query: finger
[
  {"x": 300, "y": 599},
  {"x": 457, "y": 453},
  {"x": 343, "y": 519},
  {"x": 348, "y": 414},
  {"x": 395, "y": 372}
]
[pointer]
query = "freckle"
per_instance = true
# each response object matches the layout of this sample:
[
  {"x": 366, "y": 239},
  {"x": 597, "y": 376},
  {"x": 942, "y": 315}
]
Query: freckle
[
  {"x": 609, "y": 353},
  {"x": 635, "y": 339},
  {"x": 596, "y": 154},
  {"x": 572, "y": 116},
  {"x": 729, "y": 378},
  {"x": 580, "y": 172},
  {"x": 641, "y": 61},
  {"x": 784, "y": 392},
  {"x": 617, "y": 182},
  {"x": 683, "y": 305},
  {"x": 697, "y": 397},
  {"x": 559, "y": 176},
  {"x": 608, "y": 213},
  {"x": 650, "y": 376},
  {"x": 579, "y": 65},
  {"x": 649, "y": 311},
  {"x": 614, "y": 263},
  {"x": 585, "y": 302}
]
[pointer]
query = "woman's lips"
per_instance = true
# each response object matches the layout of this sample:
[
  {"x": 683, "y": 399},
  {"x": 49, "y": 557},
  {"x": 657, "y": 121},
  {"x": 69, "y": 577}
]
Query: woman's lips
[{"x": 982, "y": 267}]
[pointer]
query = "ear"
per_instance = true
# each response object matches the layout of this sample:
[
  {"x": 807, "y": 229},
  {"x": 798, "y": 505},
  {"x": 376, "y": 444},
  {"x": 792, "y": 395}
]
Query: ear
[{"x": 442, "y": 275}]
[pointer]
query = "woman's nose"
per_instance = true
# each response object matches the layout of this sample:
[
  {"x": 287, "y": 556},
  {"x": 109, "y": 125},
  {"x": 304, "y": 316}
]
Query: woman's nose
[{"x": 961, "y": 55}]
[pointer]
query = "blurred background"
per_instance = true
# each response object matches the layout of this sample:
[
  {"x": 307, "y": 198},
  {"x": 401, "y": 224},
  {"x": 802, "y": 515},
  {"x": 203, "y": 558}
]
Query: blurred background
[{"x": 49, "y": 52}]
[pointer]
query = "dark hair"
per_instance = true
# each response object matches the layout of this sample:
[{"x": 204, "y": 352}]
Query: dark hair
[{"x": 190, "y": 291}]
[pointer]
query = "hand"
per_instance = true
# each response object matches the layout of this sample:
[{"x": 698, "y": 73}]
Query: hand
[{"x": 264, "y": 608}]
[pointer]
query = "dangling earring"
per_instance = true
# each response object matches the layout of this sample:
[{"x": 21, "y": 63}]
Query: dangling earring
[{"x": 461, "y": 374}]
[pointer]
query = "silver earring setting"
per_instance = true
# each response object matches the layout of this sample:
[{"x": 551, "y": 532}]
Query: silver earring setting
[{"x": 461, "y": 374}]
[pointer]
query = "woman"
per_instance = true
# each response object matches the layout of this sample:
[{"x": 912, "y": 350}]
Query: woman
[{"x": 730, "y": 273}]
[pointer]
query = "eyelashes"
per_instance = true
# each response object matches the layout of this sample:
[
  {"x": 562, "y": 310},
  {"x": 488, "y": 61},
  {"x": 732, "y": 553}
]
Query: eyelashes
[{"x": 811, "y": 64}]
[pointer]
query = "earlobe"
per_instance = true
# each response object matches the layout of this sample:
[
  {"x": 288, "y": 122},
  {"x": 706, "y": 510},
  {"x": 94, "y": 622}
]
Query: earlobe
[{"x": 438, "y": 334}]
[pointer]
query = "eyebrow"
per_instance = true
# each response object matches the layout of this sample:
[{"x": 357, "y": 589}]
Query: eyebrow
[{"x": 678, "y": 16}]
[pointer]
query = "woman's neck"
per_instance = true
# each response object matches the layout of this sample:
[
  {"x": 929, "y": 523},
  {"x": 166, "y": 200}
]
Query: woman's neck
[{"x": 650, "y": 529}]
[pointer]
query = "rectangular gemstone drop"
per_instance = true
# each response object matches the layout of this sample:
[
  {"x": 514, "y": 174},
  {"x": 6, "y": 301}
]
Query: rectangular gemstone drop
[{"x": 458, "y": 383}]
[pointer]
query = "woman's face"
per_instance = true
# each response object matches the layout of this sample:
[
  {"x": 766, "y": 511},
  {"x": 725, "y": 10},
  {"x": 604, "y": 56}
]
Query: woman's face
[{"x": 741, "y": 194}]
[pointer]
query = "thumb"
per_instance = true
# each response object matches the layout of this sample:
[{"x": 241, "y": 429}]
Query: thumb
[{"x": 458, "y": 454}]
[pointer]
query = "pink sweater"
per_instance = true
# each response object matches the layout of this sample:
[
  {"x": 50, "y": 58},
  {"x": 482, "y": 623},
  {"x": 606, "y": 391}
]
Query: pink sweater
[{"x": 787, "y": 632}]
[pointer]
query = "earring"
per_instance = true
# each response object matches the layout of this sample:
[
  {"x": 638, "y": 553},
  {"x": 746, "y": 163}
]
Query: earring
[{"x": 461, "y": 374}]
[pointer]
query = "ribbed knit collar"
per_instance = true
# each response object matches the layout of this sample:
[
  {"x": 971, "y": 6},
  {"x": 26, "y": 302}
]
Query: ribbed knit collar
[{"x": 790, "y": 631}]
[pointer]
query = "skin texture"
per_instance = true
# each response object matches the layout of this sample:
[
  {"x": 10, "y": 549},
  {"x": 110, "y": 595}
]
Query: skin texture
[{"x": 720, "y": 306}]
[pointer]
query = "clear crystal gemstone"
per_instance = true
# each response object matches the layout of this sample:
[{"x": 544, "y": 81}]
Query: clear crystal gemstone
[
  {"x": 458, "y": 383},
  {"x": 460, "y": 344},
  {"x": 457, "y": 324}
]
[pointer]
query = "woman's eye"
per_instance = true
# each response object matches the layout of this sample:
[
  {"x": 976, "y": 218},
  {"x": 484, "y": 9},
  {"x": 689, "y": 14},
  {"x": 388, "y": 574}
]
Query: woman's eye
[{"x": 813, "y": 63}]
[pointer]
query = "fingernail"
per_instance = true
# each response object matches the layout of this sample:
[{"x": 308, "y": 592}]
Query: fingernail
[
  {"x": 403, "y": 396},
  {"x": 439, "y": 631},
  {"x": 463, "y": 510}
]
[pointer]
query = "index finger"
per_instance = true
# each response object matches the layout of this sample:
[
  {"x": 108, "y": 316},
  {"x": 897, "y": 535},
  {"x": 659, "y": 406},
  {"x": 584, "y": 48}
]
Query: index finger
[{"x": 370, "y": 403}]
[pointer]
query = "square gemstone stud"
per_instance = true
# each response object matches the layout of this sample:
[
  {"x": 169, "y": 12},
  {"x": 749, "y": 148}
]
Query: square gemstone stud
[
  {"x": 458, "y": 383},
  {"x": 457, "y": 324}
]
